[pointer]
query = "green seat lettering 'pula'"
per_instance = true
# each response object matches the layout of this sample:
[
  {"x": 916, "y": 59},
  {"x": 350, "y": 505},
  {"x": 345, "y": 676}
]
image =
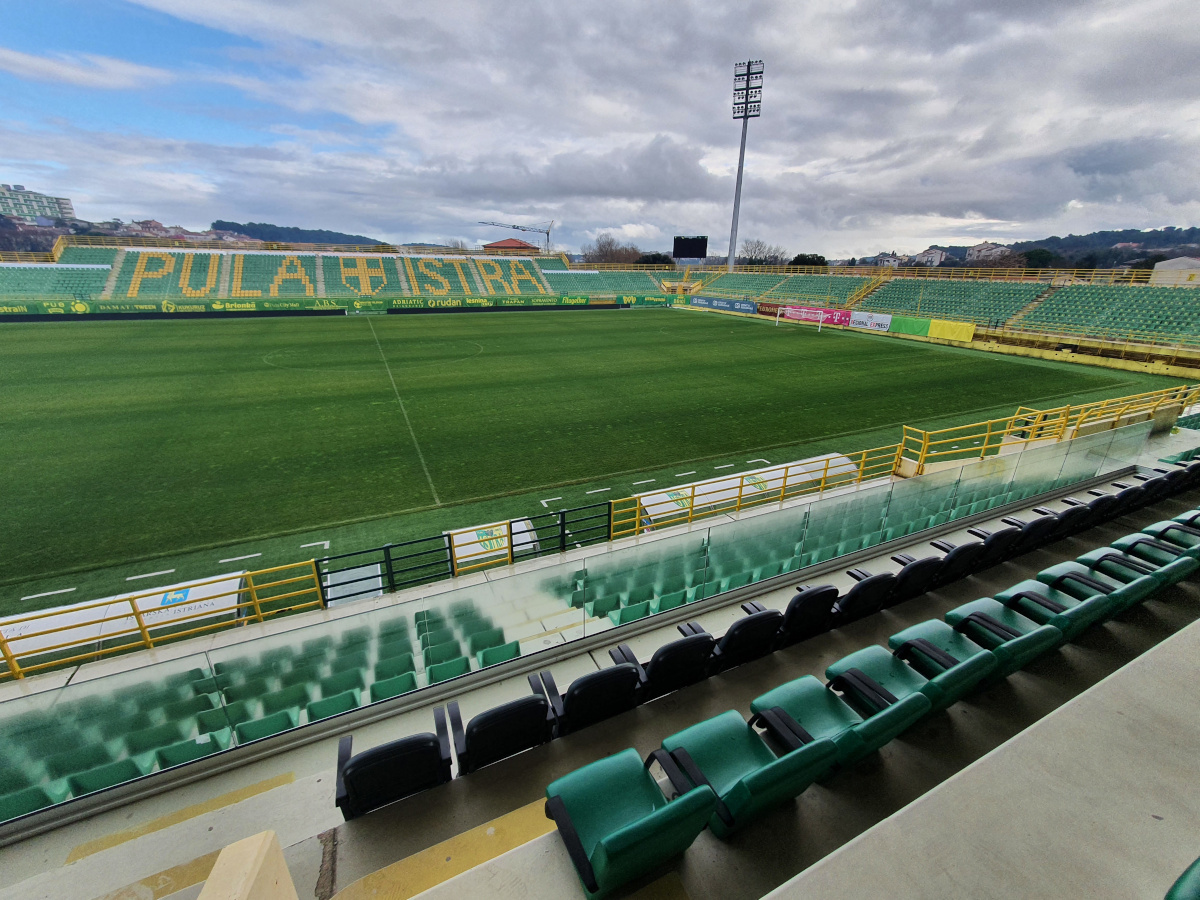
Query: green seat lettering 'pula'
[
  {"x": 747, "y": 777},
  {"x": 624, "y": 824},
  {"x": 824, "y": 715}
]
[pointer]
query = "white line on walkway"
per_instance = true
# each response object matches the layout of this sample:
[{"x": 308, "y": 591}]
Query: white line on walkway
[
  {"x": 237, "y": 558},
  {"x": 548, "y": 500},
  {"x": 726, "y": 466},
  {"x": 647, "y": 481},
  {"x": 598, "y": 491},
  {"x": 767, "y": 461},
  {"x": 149, "y": 574},
  {"x": 396, "y": 391},
  {"x": 324, "y": 544},
  {"x": 681, "y": 474},
  {"x": 48, "y": 594}
]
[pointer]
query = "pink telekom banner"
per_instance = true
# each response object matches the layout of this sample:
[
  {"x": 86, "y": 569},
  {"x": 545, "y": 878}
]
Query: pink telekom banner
[{"x": 817, "y": 315}]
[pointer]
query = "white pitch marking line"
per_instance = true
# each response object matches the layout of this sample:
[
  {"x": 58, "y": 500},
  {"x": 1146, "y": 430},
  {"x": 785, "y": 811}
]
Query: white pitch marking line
[
  {"x": 681, "y": 474},
  {"x": 767, "y": 461},
  {"x": 647, "y": 481},
  {"x": 396, "y": 391},
  {"x": 149, "y": 574},
  {"x": 237, "y": 558},
  {"x": 48, "y": 594},
  {"x": 726, "y": 466},
  {"x": 548, "y": 500},
  {"x": 598, "y": 491},
  {"x": 324, "y": 544}
]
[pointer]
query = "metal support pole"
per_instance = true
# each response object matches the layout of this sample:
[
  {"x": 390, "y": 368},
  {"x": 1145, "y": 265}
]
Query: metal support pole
[{"x": 737, "y": 196}]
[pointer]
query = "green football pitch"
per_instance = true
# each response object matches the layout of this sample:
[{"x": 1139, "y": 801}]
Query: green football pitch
[{"x": 194, "y": 447}]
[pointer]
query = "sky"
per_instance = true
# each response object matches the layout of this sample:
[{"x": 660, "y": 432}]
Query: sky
[{"x": 886, "y": 124}]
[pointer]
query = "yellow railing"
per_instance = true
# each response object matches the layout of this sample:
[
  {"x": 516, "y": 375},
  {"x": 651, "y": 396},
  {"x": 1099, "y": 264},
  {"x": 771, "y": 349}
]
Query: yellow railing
[
  {"x": 1056, "y": 276},
  {"x": 259, "y": 596},
  {"x": 25, "y": 256},
  {"x": 720, "y": 496},
  {"x": 867, "y": 289},
  {"x": 104, "y": 240},
  {"x": 920, "y": 448},
  {"x": 481, "y": 547}
]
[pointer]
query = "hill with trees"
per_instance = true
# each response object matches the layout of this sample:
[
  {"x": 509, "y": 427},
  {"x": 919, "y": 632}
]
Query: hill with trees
[{"x": 286, "y": 234}]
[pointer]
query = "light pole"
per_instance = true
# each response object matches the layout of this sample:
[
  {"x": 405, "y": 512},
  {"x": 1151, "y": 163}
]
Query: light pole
[{"x": 747, "y": 105}]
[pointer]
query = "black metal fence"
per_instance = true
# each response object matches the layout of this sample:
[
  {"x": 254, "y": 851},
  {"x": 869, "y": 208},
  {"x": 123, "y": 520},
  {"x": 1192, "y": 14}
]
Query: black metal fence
[{"x": 393, "y": 567}]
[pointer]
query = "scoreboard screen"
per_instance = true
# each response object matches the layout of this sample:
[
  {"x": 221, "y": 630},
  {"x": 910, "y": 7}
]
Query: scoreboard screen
[{"x": 690, "y": 247}]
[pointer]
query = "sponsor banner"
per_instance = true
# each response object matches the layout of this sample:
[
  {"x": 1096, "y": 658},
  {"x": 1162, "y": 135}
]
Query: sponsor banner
[
  {"x": 789, "y": 478},
  {"x": 768, "y": 309},
  {"x": 159, "y": 610},
  {"x": 817, "y": 315},
  {"x": 742, "y": 306},
  {"x": 909, "y": 325},
  {"x": 870, "y": 321},
  {"x": 952, "y": 331},
  {"x": 489, "y": 543}
]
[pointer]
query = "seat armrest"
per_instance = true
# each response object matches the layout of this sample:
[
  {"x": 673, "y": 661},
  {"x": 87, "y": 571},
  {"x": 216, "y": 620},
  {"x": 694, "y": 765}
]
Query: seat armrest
[
  {"x": 1071, "y": 501},
  {"x": 1051, "y": 606},
  {"x": 698, "y": 778},
  {"x": 1090, "y": 583},
  {"x": 903, "y": 559},
  {"x": 780, "y": 724},
  {"x": 345, "y": 746},
  {"x": 1042, "y": 511},
  {"x": 865, "y": 688},
  {"x": 443, "y": 736},
  {"x": 552, "y": 694},
  {"x": 460, "y": 737},
  {"x": 919, "y": 645},
  {"x": 1121, "y": 484},
  {"x": 1096, "y": 493},
  {"x": 859, "y": 574},
  {"x": 980, "y": 533},
  {"x": 944, "y": 546},
  {"x": 535, "y": 684},
  {"x": 753, "y": 606},
  {"x": 670, "y": 768},
  {"x": 557, "y": 810},
  {"x": 1013, "y": 521}
]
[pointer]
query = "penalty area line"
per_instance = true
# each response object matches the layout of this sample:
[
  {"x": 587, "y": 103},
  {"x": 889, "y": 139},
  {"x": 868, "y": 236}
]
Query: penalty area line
[
  {"x": 396, "y": 391},
  {"x": 548, "y": 500},
  {"x": 149, "y": 574}
]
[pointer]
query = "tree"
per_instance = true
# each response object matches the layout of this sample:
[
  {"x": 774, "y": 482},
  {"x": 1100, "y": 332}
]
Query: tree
[
  {"x": 1148, "y": 262},
  {"x": 1040, "y": 258},
  {"x": 655, "y": 259},
  {"x": 852, "y": 262},
  {"x": 607, "y": 249},
  {"x": 808, "y": 259},
  {"x": 760, "y": 253},
  {"x": 456, "y": 244}
]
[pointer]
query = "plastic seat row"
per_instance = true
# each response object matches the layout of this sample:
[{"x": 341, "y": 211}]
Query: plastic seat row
[{"x": 617, "y": 825}]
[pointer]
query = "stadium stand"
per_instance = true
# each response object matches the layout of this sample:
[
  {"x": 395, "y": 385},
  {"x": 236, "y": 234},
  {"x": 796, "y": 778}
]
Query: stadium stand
[
  {"x": 161, "y": 273},
  {"x": 551, "y": 263},
  {"x": 1117, "y": 310},
  {"x": 102, "y": 256},
  {"x": 51, "y": 280},
  {"x": 123, "y": 727},
  {"x": 362, "y": 276},
  {"x": 602, "y": 282},
  {"x": 838, "y": 288},
  {"x": 744, "y": 284},
  {"x": 967, "y": 301}
]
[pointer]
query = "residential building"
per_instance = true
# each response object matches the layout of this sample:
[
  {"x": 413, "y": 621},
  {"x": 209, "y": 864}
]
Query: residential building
[
  {"x": 20, "y": 203},
  {"x": 1183, "y": 271},
  {"x": 931, "y": 257},
  {"x": 985, "y": 251}
]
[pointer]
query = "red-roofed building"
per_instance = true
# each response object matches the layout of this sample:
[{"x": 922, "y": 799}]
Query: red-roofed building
[{"x": 511, "y": 244}]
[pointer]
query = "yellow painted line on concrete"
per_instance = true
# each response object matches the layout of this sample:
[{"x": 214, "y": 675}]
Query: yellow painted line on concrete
[
  {"x": 433, "y": 865},
  {"x": 180, "y": 815},
  {"x": 168, "y": 881}
]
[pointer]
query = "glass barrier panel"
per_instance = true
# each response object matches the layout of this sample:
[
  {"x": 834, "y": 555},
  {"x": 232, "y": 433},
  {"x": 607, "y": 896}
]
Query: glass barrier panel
[
  {"x": 754, "y": 548},
  {"x": 984, "y": 485},
  {"x": 95, "y": 734},
  {"x": 840, "y": 525},
  {"x": 1085, "y": 456},
  {"x": 925, "y": 501},
  {"x": 1037, "y": 470},
  {"x": 1128, "y": 443}
]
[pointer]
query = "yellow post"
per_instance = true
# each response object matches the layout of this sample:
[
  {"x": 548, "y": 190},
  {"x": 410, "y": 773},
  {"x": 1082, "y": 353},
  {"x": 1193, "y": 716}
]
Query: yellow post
[
  {"x": 508, "y": 531},
  {"x": 692, "y": 505},
  {"x": 9, "y": 657},
  {"x": 141, "y": 623},
  {"x": 254, "y": 596}
]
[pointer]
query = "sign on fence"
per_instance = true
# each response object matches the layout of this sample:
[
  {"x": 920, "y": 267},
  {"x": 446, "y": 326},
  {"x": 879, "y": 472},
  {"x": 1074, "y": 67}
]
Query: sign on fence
[
  {"x": 742, "y": 306},
  {"x": 870, "y": 321},
  {"x": 817, "y": 315},
  {"x": 486, "y": 545}
]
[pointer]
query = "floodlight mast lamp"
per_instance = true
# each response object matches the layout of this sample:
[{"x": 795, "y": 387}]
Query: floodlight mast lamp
[{"x": 747, "y": 105}]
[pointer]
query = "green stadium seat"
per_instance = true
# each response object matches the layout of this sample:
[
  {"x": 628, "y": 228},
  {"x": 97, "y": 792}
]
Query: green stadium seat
[
  {"x": 822, "y": 714},
  {"x": 353, "y": 658},
  {"x": 185, "y": 709},
  {"x": 1048, "y": 606},
  {"x": 451, "y": 668},
  {"x": 305, "y": 674},
  {"x": 602, "y": 606},
  {"x": 437, "y": 636},
  {"x": 482, "y": 640},
  {"x": 26, "y": 801},
  {"x": 934, "y": 648},
  {"x": 294, "y": 697},
  {"x": 153, "y": 738},
  {"x": 889, "y": 673},
  {"x": 393, "y": 687},
  {"x": 394, "y": 648},
  {"x": 350, "y": 679},
  {"x": 393, "y": 666},
  {"x": 333, "y": 705},
  {"x": 616, "y": 823},
  {"x": 625, "y": 614},
  {"x": 276, "y": 723},
  {"x": 224, "y": 717},
  {"x": 494, "y": 655},
  {"x": 106, "y": 776},
  {"x": 78, "y": 760},
  {"x": 188, "y": 751},
  {"x": 440, "y": 653},
  {"x": 247, "y": 690},
  {"x": 727, "y": 754},
  {"x": 668, "y": 601}
]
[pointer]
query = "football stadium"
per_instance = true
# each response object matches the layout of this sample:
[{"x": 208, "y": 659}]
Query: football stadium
[{"x": 343, "y": 558}]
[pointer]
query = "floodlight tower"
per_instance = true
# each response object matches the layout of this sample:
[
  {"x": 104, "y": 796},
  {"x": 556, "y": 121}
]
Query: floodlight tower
[{"x": 747, "y": 105}]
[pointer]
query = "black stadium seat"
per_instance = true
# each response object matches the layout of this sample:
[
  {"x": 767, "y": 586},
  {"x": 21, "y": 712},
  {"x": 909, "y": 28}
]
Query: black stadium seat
[
  {"x": 500, "y": 732},
  {"x": 809, "y": 613},
  {"x": 593, "y": 697},
  {"x": 996, "y": 545},
  {"x": 959, "y": 562},
  {"x": 673, "y": 666},
  {"x": 865, "y": 598},
  {"x": 914, "y": 579},
  {"x": 746, "y": 639},
  {"x": 391, "y": 771}
]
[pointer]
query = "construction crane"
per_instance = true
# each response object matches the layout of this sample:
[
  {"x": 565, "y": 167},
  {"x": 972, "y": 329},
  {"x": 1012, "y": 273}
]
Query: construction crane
[{"x": 542, "y": 228}]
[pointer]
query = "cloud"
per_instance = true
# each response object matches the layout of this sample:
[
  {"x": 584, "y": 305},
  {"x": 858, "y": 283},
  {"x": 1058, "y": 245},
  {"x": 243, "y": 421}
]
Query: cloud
[
  {"x": 83, "y": 70},
  {"x": 885, "y": 125}
]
